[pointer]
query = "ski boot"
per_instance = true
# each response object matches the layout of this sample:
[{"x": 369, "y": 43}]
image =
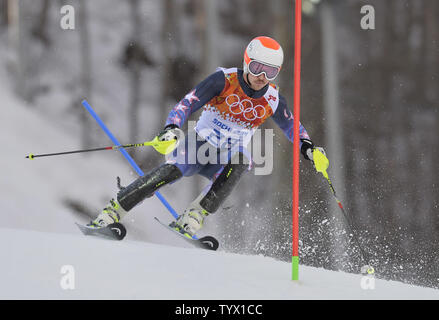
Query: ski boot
[
  {"x": 112, "y": 213},
  {"x": 190, "y": 222}
]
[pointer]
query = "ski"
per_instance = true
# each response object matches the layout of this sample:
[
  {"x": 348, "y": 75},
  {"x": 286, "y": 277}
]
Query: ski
[
  {"x": 115, "y": 231},
  {"x": 207, "y": 242}
]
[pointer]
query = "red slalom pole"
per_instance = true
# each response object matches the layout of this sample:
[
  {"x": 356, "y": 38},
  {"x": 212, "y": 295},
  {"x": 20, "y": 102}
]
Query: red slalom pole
[{"x": 296, "y": 154}]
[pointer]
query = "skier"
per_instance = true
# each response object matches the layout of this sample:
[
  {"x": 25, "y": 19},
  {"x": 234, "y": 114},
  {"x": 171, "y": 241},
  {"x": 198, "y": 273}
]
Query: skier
[{"x": 235, "y": 102}]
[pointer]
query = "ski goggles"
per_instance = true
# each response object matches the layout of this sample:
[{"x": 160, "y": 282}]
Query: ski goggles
[{"x": 257, "y": 68}]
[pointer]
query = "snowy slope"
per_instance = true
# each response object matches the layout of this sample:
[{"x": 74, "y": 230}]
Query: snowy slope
[{"x": 32, "y": 264}]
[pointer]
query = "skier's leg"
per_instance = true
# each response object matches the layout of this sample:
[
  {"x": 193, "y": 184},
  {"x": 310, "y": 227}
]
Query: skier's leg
[
  {"x": 140, "y": 189},
  {"x": 144, "y": 187},
  {"x": 224, "y": 183},
  {"x": 212, "y": 197},
  {"x": 177, "y": 165}
]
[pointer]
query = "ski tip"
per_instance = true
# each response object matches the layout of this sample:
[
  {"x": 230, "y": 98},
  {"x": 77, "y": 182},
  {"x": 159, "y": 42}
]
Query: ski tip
[{"x": 82, "y": 228}]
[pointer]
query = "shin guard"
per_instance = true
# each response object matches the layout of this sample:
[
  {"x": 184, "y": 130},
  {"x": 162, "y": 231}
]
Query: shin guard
[
  {"x": 144, "y": 187},
  {"x": 224, "y": 184}
]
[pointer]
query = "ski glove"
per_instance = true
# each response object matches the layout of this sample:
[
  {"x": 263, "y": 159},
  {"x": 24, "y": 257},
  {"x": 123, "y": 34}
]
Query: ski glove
[
  {"x": 170, "y": 132},
  {"x": 306, "y": 149}
]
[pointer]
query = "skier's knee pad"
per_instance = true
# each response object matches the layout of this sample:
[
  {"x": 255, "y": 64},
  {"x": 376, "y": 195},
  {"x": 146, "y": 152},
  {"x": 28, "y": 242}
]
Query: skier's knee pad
[
  {"x": 144, "y": 187},
  {"x": 224, "y": 183}
]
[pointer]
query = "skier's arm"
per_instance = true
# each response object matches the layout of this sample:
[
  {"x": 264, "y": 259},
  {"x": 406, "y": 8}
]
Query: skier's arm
[
  {"x": 283, "y": 117},
  {"x": 207, "y": 89}
]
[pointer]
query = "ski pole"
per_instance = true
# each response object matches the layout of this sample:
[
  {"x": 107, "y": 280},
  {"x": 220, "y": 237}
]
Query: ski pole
[
  {"x": 321, "y": 163},
  {"x": 33, "y": 156},
  {"x": 164, "y": 147}
]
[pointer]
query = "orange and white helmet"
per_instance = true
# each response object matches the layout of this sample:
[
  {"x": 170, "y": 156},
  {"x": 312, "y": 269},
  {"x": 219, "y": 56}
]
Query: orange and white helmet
[{"x": 263, "y": 55}]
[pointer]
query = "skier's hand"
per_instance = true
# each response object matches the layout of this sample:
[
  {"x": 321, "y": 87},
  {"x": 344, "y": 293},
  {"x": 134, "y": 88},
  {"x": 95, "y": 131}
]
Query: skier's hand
[
  {"x": 316, "y": 154},
  {"x": 306, "y": 149},
  {"x": 169, "y": 133}
]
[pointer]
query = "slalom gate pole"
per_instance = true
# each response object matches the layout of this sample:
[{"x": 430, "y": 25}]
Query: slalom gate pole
[
  {"x": 296, "y": 141},
  {"x": 126, "y": 155}
]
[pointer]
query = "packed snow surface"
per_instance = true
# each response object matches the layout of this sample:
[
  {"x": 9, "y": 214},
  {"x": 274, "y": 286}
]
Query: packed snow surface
[{"x": 39, "y": 265}]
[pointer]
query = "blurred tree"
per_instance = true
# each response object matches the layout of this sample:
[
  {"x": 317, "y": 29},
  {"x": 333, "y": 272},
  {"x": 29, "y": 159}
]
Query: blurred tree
[
  {"x": 169, "y": 23},
  {"x": 332, "y": 124},
  {"x": 210, "y": 39},
  {"x": 134, "y": 59},
  {"x": 3, "y": 12},
  {"x": 85, "y": 70},
  {"x": 40, "y": 28}
]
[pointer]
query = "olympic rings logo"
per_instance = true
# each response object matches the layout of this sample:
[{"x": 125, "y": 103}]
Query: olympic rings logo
[{"x": 245, "y": 107}]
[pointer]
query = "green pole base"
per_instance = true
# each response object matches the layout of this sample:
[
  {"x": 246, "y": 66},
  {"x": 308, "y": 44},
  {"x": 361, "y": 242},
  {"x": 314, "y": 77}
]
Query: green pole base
[{"x": 295, "y": 264}]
